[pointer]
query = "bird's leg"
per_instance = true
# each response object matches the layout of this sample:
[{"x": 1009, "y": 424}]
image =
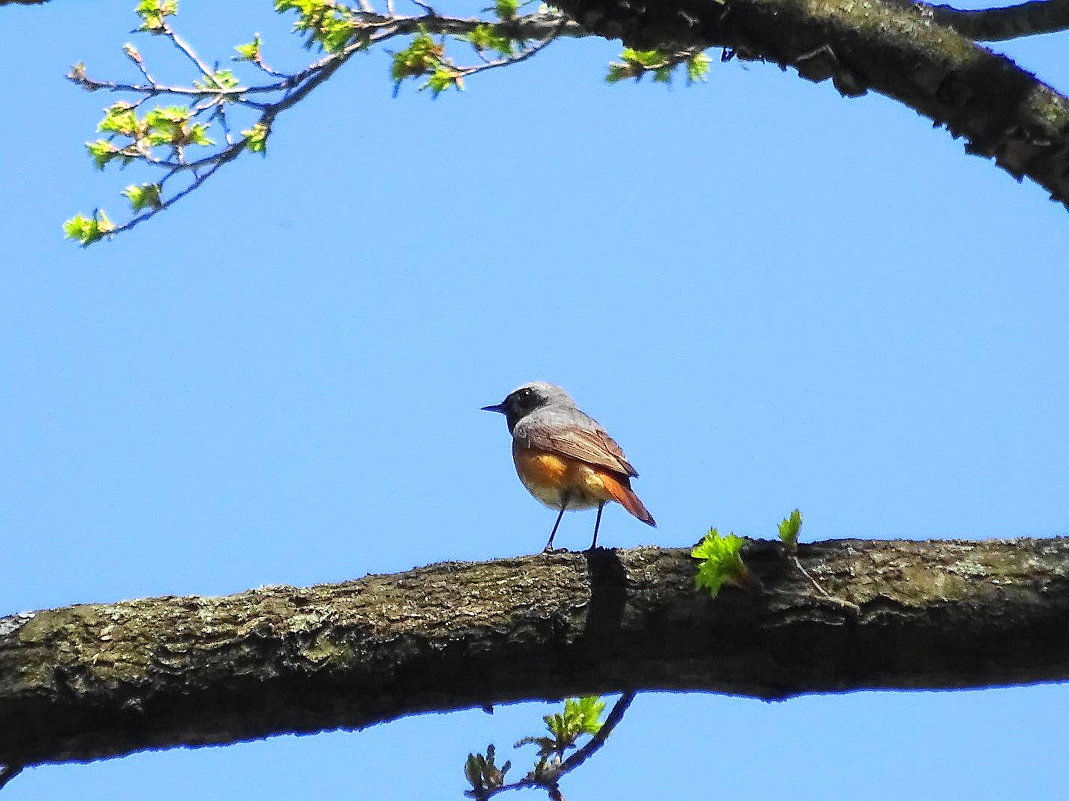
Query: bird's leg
[
  {"x": 553, "y": 533},
  {"x": 597, "y": 525}
]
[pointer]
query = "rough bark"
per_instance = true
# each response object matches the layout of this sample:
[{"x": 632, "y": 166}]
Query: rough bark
[
  {"x": 897, "y": 49},
  {"x": 101, "y": 680}
]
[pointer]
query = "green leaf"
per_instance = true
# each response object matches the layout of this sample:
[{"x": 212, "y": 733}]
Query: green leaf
[
  {"x": 154, "y": 12},
  {"x": 580, "y": 716},
  {"x": 585, "y": 713},
  {"x": 789, "y": 528},
  {"x": 650, "y": 59},
  {"x": 721, "y": 561},
  {"x": 506, "y": 9},
  {"x": 697, "y": 68},
  {"x": 486, "y": 37},
  {"x": 198, "y": 135},
  {"x": 220, "y": 79},
  {"x": 636, "y": 63},
  {"x": 328, "y": 24},
  {"x": 145, "y": 196},
  {"x": 422, "y": 55},
  {"x": 256, "y": 138},
  {"x": 119, "y": 118},
  {"x": 101, "y": 151},
  {"x": 250, "y": 51},
  {"x": 88, "y": 230},
  {"x": 441, "y": 79}
]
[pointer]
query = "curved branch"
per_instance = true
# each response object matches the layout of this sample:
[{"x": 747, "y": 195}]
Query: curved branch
[
  {"x": 101, "y": 680},
  {"x": 1009, "y": 22},
  {"x": 1003, "y": 111}
]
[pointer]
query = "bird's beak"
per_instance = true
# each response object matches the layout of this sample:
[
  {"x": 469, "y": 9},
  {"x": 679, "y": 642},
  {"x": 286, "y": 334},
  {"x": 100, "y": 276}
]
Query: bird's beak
[{"x": 500, "y": 407}]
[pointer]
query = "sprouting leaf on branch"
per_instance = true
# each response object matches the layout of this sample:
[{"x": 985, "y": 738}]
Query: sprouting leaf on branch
[
  {"x": 153, "y": 14},
  {"x": 145, "y": 196},
  {"x": 423, "y": 55},
  {"x": 87, "y": 230},
  {"x": 788, "y": 530},
  {"x": 220, "y": 79},
  {"x": 580, "y": 716},
  {"x": 327, "y": 24},
  {"x": 721, "y": 561},
  {"x": 506, "y": 9},
  {"x": 249, "y": 51},
  {"x": 256, "y": 138},
  {"x": 486, "y": 37},
  {"x": 483, "y": 774},
  {"x": 637, "y": 63}
]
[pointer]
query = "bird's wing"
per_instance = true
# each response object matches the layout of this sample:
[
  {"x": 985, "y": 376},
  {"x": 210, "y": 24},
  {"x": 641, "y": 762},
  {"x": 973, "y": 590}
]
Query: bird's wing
[{"x": 588, "y": 444}]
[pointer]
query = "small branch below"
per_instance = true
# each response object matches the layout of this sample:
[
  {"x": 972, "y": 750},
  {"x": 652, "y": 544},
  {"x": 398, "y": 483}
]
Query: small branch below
[{"x": 1009, "y": 22}]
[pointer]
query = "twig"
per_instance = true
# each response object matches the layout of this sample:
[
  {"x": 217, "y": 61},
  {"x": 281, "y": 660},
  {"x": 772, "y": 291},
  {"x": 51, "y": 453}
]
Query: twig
[
  {"x": 551, "y": 779},
  {"x": 184, "y": 46},
  {"x": 1008, "y": 22},
  {"x": 210, "y": 103},
  {"x": 821, "y": 590},
  {"x": 522, "y": 56}
]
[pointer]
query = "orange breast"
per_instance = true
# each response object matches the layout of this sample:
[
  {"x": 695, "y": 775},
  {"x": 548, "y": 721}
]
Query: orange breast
[{"x": 549, "y": 475}]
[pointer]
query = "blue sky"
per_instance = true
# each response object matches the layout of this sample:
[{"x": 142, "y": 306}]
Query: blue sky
[{"x": 772, "y": 298}]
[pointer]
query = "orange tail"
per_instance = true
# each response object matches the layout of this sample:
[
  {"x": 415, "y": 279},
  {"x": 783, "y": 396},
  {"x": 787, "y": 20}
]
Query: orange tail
[{"x": 622, "y": 493}]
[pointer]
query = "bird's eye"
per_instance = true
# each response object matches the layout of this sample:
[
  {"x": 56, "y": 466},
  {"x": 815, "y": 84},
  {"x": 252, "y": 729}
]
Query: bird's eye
[{"x": 526, "y": 393}]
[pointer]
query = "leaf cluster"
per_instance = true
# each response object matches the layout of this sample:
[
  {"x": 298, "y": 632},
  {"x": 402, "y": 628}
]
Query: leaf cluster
[
  {"x": 425, "y": 56},
  {"x": 788, "y": 530},
  {"x": 328, "y": 25},
  {"x": 154, "y": 13},
  {"x": 87, "y": 230},
  {"x": 580, "y": 716},
  {"x": 637, "y": 63},
  {"x": 721, "y": 561}
]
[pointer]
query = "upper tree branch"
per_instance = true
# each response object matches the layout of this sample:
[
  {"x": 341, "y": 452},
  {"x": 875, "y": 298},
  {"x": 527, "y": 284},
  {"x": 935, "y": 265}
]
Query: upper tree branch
[
  {"x": 1010, "y": 22},
  {"x": 101, "y": 680},
  {"x": 898, "y": 50}
]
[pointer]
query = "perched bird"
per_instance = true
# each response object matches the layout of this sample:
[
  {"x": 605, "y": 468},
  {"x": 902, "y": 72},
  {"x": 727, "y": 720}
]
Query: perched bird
[{"x": 563, "y": 457}]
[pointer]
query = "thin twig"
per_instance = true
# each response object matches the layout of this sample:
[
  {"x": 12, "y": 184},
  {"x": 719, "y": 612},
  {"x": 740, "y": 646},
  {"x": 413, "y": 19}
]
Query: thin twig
[
  {"x": 821, "y": 590},
  {"x": 522, "y": 56},
  {"x": 551, "y": 779},
  {"x": 184, "y": 46}
]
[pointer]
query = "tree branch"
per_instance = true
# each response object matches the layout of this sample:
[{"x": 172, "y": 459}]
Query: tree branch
[
  {"x": 100, "y": 680},
  {"x": 7, "y": 773},
  {"x": 898, "y": 50},
  {"x": 1009, "y": 22}
]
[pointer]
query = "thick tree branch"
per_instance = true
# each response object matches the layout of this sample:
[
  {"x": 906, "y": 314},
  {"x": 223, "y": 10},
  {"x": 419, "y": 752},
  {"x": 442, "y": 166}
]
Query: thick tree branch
[
  {"x": 897, "y": 50},
  {"x": 1010, "y": 22},
  {"x": 94, "y": 681}
]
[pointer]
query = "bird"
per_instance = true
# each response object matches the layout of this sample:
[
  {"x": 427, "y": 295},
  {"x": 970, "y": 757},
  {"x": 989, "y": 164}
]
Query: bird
[{"x": 564, "y": 457}]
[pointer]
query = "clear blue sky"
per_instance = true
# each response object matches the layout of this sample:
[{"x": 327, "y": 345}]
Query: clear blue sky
[{"x": 771, "y": 296}]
